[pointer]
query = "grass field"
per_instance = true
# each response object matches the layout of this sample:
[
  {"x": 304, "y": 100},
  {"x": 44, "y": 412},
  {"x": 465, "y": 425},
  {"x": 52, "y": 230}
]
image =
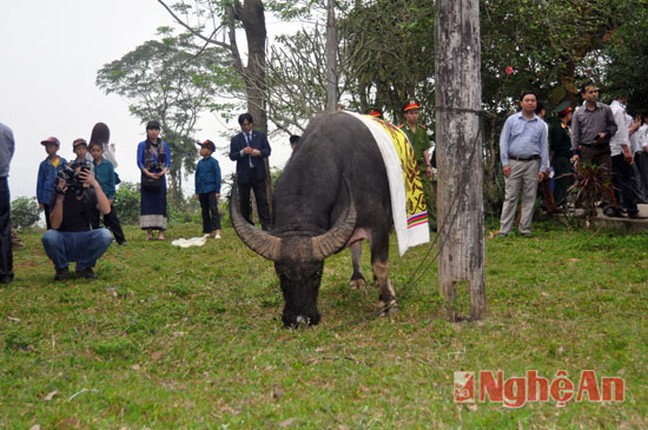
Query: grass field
[{"x": 192, "y": 338}]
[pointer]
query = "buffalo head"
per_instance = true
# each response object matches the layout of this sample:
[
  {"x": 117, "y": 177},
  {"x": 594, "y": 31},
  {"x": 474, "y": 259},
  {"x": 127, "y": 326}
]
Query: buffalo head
[{"x": 298, "y": 257}]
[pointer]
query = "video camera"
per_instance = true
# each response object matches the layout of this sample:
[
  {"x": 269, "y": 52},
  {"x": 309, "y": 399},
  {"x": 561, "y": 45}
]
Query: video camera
[{"x": 73, "y": 181}]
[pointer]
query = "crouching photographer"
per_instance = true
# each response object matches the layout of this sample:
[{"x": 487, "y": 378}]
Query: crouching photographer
[{"x": 71, "y": 238}]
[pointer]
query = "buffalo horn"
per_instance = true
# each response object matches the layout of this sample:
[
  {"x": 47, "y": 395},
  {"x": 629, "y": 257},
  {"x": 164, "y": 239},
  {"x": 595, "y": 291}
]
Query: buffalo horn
[
  {"x": 336, "y": 238},
  {"x": 259, "y": 241}
]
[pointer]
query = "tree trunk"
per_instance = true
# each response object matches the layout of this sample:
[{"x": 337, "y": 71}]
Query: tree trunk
[
  {"x": 331, "y": 59},
  {"x": 252, "y": 16},
  {"x": 459, "y": 154}
]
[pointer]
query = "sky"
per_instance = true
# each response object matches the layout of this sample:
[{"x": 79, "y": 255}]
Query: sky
[{"x": 50, "y": 54}]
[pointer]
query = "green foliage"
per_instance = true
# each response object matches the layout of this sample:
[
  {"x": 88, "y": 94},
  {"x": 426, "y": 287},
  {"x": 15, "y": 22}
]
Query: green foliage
[
  {"x": 24, "y": 212},
  {"x": 192, "y": 338},
  {"x": 168, "y": 81},
  {"x": 127, "y": 203},
  {"x": 185, "y": 210},
  {"x": 387, "y": 55},
  {"x": 627, "y": 52}
]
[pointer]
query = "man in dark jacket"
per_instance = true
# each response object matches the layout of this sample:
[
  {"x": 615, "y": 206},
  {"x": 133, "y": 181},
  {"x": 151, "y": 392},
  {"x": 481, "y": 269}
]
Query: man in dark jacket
[
  {"x": 560, "y": 152},
  {"x": 249, "y": 148}
]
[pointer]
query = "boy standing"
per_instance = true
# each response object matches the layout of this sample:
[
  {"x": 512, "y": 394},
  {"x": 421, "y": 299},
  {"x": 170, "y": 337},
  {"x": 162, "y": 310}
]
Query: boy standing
[
  {"x": 47, "y": 176},
  {"x": 105, "y": 175},
  {"x": 80, "y": 149},
  {"x": 208, "y": 184}
]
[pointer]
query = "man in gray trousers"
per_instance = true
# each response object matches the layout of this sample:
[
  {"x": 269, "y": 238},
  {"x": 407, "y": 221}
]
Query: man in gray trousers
[{"x": 525, "y": 162}]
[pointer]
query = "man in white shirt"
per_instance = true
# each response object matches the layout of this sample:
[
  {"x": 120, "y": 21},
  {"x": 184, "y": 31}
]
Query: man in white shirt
[
  {"x": 641, "y": 154},
  {"x": 622, "y": 158}
]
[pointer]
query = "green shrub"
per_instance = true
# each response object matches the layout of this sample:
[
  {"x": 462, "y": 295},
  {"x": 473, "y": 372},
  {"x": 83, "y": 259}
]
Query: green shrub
[
  {"x": 127, "y": 203},
  {"x": 24, "y": 212}
]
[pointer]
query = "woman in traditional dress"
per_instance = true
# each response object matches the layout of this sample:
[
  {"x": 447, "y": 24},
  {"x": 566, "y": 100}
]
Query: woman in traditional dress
[{"x": 154, "y": 160}]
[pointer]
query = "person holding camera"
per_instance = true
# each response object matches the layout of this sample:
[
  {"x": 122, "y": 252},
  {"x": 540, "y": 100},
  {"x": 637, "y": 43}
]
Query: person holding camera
[{"x": 78, "y": 195}]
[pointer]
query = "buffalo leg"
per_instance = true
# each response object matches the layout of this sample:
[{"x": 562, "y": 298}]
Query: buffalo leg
[
  {"x": 357, "y": 278},
  {"x": 387, "y": 296},
  {"x": 380, "y": 267}
]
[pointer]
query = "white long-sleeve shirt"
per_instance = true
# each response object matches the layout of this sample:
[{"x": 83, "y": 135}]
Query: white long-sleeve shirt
[{"x": 621, "y": 137}]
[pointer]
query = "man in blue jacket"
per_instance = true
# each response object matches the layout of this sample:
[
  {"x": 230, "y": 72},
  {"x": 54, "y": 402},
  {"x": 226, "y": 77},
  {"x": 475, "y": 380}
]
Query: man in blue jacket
[{"x": 249, "y": 148}]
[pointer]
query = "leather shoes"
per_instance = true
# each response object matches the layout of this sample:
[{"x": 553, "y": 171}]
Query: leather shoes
[
  {"x": 62, "y": 274},
  {"x": 612, "y": 213},
  {"x": 87, "y": 273}
]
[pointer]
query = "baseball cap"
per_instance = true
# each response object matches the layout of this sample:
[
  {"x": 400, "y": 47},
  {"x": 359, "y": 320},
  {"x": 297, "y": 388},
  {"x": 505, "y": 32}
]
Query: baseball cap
[
  {"x": 51, "y": 139},
  {"x": 78, "y": 142},
  {"x": 207, "y": 144}
]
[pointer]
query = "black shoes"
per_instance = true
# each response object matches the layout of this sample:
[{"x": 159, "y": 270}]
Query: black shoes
[
  {"x": 87, "y": 273},
  {"x": 612, "y": 213},
  {"x": 62, "y": 274}
]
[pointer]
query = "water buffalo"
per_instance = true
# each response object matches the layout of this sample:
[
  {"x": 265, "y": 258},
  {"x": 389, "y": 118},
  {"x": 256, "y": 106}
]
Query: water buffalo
[{"x": 333, "y": 193}]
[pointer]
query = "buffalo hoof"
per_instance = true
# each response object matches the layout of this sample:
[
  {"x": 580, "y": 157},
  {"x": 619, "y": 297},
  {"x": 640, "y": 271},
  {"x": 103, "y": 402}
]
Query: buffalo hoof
[
  {"x": 388, "y": 309},
  {"x": 358, "y": 284},
  {"x": 300, "y": 321}
]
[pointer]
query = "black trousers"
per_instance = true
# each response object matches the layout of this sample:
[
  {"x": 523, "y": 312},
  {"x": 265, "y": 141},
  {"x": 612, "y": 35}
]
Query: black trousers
[
  {"x": 209, "y": 211},
  {"x": 6, "y": 253},
  {"x": 46, "y": 210},
  {"x": 641, "y": 160},
  {"x": 258, "y": 186},
  {"x": 622, "y": 179},
  {"x": 111, "y": 221}
]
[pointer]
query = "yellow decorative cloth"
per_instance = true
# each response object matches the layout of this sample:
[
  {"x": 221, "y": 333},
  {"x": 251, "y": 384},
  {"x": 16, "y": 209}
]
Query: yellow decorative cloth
[{"x": 408, "y": 203}]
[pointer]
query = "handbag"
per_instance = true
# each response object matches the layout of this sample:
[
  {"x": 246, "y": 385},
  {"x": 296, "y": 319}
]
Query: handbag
[{"x": 151, "y": 184}]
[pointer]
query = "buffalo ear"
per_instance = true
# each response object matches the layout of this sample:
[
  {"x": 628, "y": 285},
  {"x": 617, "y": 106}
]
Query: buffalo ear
[
  {"x": 259, "y": 241},
  {"x": 337, "y": 237}
]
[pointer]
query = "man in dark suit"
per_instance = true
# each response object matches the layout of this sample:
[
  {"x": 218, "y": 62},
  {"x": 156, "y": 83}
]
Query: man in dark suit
[{"x": 248, "y": 149}]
